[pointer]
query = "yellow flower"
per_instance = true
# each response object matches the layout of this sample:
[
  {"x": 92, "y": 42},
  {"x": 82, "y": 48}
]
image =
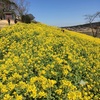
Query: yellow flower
[
  {"x": 32, "y": 90},
  {"x": 8, "y": 97},
  {"x": 4, "y": 89},
  {"x": 71, "y": 96},
  {"x": 10, "y": 86},
  {"x": 65, "y": 72},
  {"x": 16, "y": 59},
  {"x": 16, "y": 76},
  {"x": 53, "y": 73},
  {"x": 4, "y": 78},
  {"x": 51, "y": 83},
  {"x": 59, "y": 91},
  {"x": 42, "y": 94},
  {"x": 65, "y": 83},
  {"x": 42, "y": 72},
  {"x": 78, "y": 94},
  {"x": 22, "y": 84},
  {"x": 19, "y": 97}
]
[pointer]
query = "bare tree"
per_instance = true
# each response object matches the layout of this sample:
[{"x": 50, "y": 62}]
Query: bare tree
[
  {"x": 92, "y": 18},
  {"x": 22, "y": 7}
]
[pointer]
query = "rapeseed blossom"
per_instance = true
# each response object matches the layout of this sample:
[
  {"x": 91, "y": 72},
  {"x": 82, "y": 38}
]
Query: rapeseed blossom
[{"x": 42, "y": 62}]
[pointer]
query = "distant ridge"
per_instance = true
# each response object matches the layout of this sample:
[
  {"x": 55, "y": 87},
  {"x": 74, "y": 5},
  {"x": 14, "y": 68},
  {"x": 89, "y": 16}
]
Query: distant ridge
[
  {"x": 84, "y": 28},
  {"x": 82, "y": 25}
]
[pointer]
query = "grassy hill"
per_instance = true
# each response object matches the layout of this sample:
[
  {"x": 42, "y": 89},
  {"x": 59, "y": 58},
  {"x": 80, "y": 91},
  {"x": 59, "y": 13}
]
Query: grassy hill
[{"x": 40, "y": 62}]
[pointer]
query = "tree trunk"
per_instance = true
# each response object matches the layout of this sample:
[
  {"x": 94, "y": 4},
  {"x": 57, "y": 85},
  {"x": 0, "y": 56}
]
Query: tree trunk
[{"x": 92, "y": 29}]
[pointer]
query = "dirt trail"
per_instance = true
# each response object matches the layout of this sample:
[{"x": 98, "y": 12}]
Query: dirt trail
[{"x": 4, "y": 23}]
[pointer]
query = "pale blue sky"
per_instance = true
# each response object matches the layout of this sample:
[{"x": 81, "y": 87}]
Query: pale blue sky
[{"x": 63, "y": 12}]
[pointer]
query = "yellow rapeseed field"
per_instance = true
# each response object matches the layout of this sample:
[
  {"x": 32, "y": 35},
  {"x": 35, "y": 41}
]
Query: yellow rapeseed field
[{"x": 40, "y": 62}]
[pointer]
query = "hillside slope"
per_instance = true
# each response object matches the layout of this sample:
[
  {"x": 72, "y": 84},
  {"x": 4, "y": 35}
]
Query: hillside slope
[{"x": 40, "y": 62}]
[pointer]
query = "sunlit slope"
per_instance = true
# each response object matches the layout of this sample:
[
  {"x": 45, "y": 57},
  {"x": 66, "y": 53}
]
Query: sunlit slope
[{"x": 40, "y": 62}]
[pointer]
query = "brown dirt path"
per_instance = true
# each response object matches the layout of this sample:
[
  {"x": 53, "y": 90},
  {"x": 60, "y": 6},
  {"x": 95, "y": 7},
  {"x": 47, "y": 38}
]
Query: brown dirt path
[{"x": 4, "y": 23}]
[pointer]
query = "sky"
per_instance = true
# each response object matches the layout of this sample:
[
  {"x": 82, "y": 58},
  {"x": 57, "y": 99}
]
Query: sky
[{"x": 63, "y": 12}]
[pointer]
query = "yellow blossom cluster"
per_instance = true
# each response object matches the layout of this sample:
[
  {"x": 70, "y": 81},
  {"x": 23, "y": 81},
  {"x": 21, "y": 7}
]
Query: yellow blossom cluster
[{"x": 40, "y": 62}]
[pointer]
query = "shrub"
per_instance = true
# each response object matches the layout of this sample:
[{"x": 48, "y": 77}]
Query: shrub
[{"x": 26, "y": 19}]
